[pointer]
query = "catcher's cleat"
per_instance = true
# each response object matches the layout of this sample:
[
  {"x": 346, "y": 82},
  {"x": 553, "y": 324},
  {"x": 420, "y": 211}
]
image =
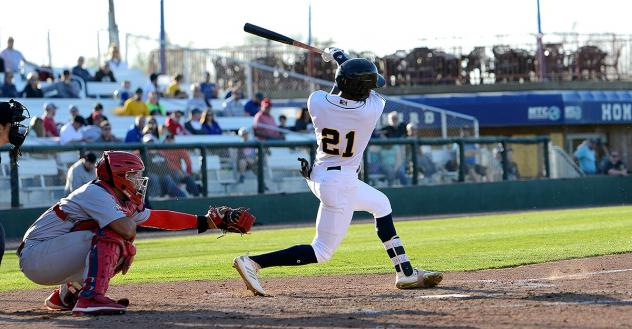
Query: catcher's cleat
[
  {"x": 98, "y": 305},
  {"x": 62, "y": 298},
  {"x": 419, "y": 279},
  {"x": 248, "y": 271}
]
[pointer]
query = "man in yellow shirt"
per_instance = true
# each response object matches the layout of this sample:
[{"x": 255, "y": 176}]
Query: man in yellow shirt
[{"x": 134, "y": 106}]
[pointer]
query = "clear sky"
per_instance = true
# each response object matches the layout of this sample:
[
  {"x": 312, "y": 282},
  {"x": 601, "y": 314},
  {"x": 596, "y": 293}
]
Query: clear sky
[{"x": 378, "y": 26}]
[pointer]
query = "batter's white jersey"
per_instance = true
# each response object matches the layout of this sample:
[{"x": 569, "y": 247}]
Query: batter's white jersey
[{"x": 343, "y": 127}]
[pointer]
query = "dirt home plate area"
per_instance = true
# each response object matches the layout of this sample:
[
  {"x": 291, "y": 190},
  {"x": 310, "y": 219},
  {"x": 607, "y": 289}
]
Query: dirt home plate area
[{"x": 581, "y": 293}]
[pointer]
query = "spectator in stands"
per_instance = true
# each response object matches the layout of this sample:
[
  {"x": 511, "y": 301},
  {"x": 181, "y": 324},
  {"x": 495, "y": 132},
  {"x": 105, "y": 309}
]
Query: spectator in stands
[
  {"x": 395, "y": 129},
  {"x": 64, "y": 88},
  {"x": 425, "y": 165},
  {"x": 302, "y": 122},
  {"x": 151, "y": 86},
  {"x": 283, "y": 121},
  {"x": 32, "y": 89},
  {"x": 160, "y": 182},
  {"x": 264, "y": 123},
  {"x": 193, "y": 125},
  {"x": 37, "y": 126},
  {"x": 474, "y": 172},
  {"x": 12, "y": 58},
  {"x": 73, "y": 111},
  {"x": 106, "y": 134},
  {"x": 173, "y": 124},
  {"x": 123, "y": 93},
  {"x": 115, "y": 62},
  {"x": 253, "y": 105},
  {"x": 71, "y": 132},
  {"x": 152, "y": 128},
  {"x": 104, "y": 74},
  {"x": 8, "y": 89},
  {"x": 175, "y": 157},
  {"x": 495, "y": 170},
  {"x": 2, "y": 70},
  {"x": 247, "y": 156},
  {"x": 393, "y": 165},
  {"x": 614, "y": 166},
  {"x": 233, "y": 107},
  {"x": 91, "y": 133},
  {"x": 79, "y": 71},
  {"x": 134, "y": 106},
  {"x": 81, "y": 172},
  {"x": 197, "y": 100},
  {"x": 135, "y": 134},
  {"x": 209, "y": 124},
  {"x": 209, "y": 89},
  {"x": 153, "y": 104},
  {"x": 50, "y": 127},
  {"x": 96, "y": 110},
  {"x": 585, "y": 155},
  {"x": 174, "y": 90}
]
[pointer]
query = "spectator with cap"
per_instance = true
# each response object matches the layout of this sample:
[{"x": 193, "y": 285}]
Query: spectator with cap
[
  {"x": 135, "y": 133},
  {"x": 264, "y": 123},
  {"x": 160, "y": 182},
  {"x": 233, "y": 107},
  {"x": 209, "y": 124},
  {"x": 151, "y": 86},
  {"x": 50, "y": 127},
  {"x": 73, "y": 111},
  {"x": 193, "y": 125},
  {"x": 174, "y": 89},
  {"x": 134, "y": 106},
  {"x": 175, "y": 159},
  {"x": 64, "y": 88},
  {"x": 197, "y": 100},
  {"x": 71, "y": 133},
  {"x": 123, "y": 93},
  {"x": 81, "y": 172},
  {"x": 106, "y": 134},
  {"x": 173, "y": 123},
  {"x": 153, "y": 104},
  {"x": 96, "y": 110},
  {"x": 614, "y": 166},
  {"x": 13, "y": 57},
  {"x": 32, "y": 89},
  {"x": 253, "y": 105},
  {"x": 104, "y": 74},
  {"x": 208, "y": 89},
  {"x": 394, "y": 129},
  {"x": 8, "y": 89},
  {"x": 79, "y": 71},
  {"x": 585, "y": 156}
]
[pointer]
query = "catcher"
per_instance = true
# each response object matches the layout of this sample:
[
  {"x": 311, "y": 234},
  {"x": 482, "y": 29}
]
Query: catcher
[{"x": 86, "y": 238}]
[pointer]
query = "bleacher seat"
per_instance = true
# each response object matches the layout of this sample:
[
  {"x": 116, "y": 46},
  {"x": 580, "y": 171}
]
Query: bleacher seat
[{"x": 98, "y": 89}]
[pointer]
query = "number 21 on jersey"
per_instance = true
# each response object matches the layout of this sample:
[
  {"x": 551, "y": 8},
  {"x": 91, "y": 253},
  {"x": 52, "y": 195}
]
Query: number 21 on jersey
[{"x": 331, "y": 140}]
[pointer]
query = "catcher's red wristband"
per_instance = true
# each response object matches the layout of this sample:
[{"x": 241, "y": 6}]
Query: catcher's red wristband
[{"x": 170, "y": 220}]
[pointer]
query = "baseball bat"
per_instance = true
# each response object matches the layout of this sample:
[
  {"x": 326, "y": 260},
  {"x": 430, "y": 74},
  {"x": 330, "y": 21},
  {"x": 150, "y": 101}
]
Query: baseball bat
[{"x": 274, "y": 36}]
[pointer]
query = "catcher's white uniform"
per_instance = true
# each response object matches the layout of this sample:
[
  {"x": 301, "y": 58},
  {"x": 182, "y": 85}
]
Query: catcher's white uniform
[{"x": 343, "y": 128}]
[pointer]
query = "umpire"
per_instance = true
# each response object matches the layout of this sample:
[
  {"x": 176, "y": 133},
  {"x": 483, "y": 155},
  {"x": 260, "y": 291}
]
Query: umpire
[{"x": 12, "y": 132}]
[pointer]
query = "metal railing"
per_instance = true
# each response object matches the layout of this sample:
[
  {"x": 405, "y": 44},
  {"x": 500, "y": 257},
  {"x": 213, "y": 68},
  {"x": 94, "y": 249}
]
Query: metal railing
[{"x": 456, "y": 146}]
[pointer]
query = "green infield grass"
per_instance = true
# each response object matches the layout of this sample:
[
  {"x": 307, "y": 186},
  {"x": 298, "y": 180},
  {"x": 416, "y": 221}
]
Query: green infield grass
[{"x": 452, "y": 244}]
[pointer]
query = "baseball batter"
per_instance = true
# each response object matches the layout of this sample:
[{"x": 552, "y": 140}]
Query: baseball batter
[
  {"x": 82, "y": 241},
  {"x": 343, "y": 122}
]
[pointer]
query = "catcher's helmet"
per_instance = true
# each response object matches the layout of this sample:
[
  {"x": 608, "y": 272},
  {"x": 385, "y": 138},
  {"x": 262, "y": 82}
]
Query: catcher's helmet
[
  {"x": 356, "y": 77},
  {"x": 124, "y": 171}
]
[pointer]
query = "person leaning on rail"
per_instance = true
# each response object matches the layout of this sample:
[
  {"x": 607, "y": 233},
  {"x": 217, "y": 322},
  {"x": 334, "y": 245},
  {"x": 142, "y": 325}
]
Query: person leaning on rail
[{"x": 13, "y": 132}]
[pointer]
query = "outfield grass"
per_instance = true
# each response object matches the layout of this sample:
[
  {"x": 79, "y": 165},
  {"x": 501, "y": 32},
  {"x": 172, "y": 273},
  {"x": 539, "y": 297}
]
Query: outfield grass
[{"x": 454, "y": 244}]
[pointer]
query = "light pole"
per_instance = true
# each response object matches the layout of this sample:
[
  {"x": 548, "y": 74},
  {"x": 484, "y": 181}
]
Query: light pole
[
  {"x": 540, "y": 49},
  {"x": 163, "y": 62}
]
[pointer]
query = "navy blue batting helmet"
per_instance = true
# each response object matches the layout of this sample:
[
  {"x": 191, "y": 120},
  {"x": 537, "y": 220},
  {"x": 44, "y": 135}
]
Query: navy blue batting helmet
[{"x": 357, "y": 76}]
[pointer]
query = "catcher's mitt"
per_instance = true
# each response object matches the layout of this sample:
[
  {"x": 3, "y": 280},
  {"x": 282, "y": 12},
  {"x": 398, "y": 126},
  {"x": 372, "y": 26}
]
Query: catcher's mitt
[{"x": 228, "y": 219}]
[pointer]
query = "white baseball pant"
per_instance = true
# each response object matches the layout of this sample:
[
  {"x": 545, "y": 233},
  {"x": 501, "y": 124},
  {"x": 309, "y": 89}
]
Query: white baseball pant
[
  {"x": 341, "y": 193},
  {"x": 58, "y": 260}
]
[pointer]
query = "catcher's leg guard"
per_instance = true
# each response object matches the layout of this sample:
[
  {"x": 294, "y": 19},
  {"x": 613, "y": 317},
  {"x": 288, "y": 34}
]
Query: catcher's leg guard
[{"x": 102, "y": 262}]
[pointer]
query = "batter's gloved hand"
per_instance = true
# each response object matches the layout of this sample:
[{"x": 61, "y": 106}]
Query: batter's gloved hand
[
  {"x": 306, "y": 168},
  {"x": 332, "y": 53},
  {"x": 226, "y": 219}
]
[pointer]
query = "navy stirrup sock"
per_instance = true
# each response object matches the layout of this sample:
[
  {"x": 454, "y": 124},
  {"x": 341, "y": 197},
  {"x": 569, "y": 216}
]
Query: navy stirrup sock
[
  {"x": 393, "y": 245},
  {"x": 297, "y": 255}
]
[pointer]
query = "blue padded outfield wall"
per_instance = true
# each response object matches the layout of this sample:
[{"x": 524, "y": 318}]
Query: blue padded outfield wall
[{"x": 535, "y": 108}]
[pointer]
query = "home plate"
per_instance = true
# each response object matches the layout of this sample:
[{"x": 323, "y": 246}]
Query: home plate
[{"x": 447, "y": 296}]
